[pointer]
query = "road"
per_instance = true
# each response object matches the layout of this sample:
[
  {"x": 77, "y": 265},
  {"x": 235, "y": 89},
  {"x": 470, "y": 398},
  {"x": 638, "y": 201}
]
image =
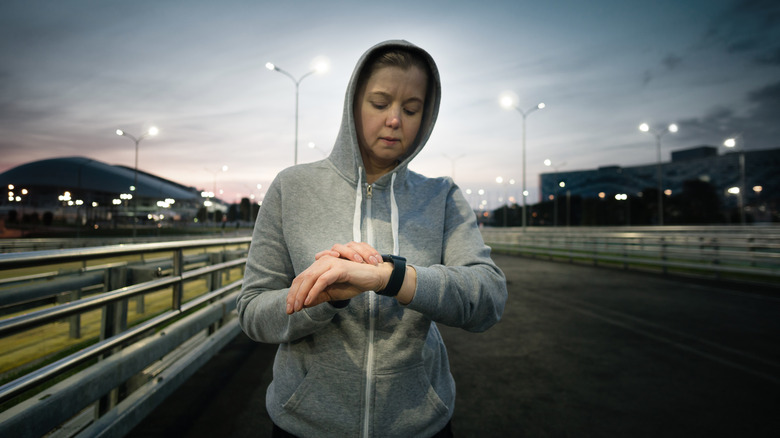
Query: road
[{"x": 581, "y": 351}]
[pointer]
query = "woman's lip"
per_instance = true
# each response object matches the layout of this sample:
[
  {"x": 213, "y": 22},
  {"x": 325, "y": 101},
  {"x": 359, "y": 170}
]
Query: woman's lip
[{"x": 389, "y": 139}]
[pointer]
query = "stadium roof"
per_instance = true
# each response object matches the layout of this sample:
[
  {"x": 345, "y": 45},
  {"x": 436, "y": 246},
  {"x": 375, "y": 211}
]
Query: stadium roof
[{"x": 80, "y": 173}]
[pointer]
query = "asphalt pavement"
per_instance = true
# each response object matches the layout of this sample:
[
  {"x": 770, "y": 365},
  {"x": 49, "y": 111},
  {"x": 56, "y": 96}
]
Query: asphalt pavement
[{"x": 581, "y": 351}]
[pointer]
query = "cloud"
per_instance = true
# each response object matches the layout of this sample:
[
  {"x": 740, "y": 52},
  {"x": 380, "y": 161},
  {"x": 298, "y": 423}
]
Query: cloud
[
  {"x": 757, "y": 129},
  {"x": 750, "y": 27}
]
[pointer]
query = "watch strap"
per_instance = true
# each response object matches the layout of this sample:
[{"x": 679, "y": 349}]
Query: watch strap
[{"x": 396, "y": 277}]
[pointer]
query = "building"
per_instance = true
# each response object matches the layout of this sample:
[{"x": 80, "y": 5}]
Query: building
[
  {"x": 701, "y": 163},
  {"x": 78, "y": 189}
]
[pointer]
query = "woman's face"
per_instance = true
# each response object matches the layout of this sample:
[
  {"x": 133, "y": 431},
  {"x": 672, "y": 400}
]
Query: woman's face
[{"x": 388, "y": 112}]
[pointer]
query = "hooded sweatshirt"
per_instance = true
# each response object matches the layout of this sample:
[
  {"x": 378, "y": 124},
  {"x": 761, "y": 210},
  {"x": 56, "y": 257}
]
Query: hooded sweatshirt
[{"x": 373, "y": 367}]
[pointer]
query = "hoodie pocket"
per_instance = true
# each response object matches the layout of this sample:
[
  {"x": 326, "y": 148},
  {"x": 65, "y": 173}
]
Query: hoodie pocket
[
  {"x": 406, "y": 403},
  {"x": 327, "y": 399}
]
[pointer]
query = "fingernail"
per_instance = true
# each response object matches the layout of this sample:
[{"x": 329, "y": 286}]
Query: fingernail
[
  {"x": 374, "y": 260},
  {"x": 297, "y": 304},
  {"x": 289, "y": 309},
  {"x": 358, "y": 258}
]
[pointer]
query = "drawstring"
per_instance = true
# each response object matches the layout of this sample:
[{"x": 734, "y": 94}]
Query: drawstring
[
  {"x": 358, "y": 202},
  {"x": 393, "y": 211},
  {"x": 394, "y": 215}
]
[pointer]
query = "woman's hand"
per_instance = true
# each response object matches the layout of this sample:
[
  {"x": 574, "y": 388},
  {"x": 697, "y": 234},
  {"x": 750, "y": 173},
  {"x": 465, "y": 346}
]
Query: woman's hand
[{"x": 332, "y": 277}]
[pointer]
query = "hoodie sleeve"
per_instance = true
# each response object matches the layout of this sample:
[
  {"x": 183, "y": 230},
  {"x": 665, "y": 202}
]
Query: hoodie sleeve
[
  {"x": 468, "y": 290},
  {"x": 269, "y": 274}
]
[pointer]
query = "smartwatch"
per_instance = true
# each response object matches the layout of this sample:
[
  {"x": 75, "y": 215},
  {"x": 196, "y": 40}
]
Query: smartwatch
[{"x": 396, "y": 277}]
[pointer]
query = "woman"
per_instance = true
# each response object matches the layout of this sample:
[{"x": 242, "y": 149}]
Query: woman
[{"x": 351, "y": 361}]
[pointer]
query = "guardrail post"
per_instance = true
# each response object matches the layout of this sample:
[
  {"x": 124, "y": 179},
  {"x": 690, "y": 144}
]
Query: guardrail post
[
  {"x": 215, "y": 278},
  {"x": 75, "y": 320},
  {"x": 664, "y": 259},
  {"x": 178, "y": 287},
  {"x": 114, "y": 321}
]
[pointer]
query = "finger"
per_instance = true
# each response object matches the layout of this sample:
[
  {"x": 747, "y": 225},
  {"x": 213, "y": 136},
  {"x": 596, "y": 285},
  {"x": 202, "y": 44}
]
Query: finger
[
  {"x": 327, "y": 252},
  {"x": 347, "y": 252},
  {"x": 367, "y": 252}
]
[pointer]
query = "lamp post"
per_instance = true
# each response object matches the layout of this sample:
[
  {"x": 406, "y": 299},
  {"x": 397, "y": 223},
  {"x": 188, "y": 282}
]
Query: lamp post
[
  {"x": 214, "y": 193},
  {"x": 732, "y": 143},
  {"x": 452, "y": 161},
  {"x": 508, "y": 102},
  {"x": 321, "y": 67},
  {"x": 644, "y": 127},
  {"x": 549, "y": 163},
  {"x": 150, "y": 133},
  {"x": 500, "y": 180}
]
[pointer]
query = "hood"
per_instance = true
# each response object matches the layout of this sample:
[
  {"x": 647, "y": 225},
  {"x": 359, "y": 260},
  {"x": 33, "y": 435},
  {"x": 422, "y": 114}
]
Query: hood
[{"x": 346, "y": 152}]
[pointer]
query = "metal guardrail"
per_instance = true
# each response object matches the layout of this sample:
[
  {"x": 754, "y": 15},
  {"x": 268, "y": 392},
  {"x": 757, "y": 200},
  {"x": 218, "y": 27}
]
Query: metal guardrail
[
  {"x": 737, "y": 253},
  {"x": 91, "y": 396}
]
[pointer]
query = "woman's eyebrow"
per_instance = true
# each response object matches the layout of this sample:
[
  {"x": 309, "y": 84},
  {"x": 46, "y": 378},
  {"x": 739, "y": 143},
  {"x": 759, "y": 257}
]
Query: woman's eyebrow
[{"x": 389, "y": 97}]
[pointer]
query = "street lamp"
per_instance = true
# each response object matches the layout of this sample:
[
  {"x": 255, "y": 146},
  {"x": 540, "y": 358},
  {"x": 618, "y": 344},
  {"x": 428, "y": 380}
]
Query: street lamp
[
  {"x": 150, "y": 133},
  {"x": 214, "y": 193},
  {"x": 644, "y": 127},
  {"x": 509, "y": 101},
  {"x": 500, "y": 180},
  {"x": 313, "y": 145},
  {"x": 732, "y": 143},
  {"x": 549, "y": 163},
  {"x": 320, "y": 67}
]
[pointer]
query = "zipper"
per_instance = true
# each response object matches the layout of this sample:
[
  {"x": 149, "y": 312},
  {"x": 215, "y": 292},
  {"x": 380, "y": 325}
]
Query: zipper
[{"x": 371, "y": 306}]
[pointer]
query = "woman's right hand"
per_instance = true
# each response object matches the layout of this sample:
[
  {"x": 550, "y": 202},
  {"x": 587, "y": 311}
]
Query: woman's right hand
[
  {"x": 359, "y": 252},
  {"x": 332, "y": 278}
]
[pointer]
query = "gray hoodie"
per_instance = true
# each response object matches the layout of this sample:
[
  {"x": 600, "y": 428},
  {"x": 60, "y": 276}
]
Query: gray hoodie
[{"x": 374, "y": 367}]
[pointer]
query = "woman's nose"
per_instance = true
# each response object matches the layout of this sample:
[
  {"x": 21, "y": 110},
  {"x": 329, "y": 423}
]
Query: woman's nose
[{"x": 394, "y": 118}]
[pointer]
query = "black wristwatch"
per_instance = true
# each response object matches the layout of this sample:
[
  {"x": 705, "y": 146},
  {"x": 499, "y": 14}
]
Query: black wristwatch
[{"x": 396, "y": 278}]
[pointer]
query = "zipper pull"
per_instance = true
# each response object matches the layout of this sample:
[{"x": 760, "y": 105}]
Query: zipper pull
[{"x": 369, "y": 191}]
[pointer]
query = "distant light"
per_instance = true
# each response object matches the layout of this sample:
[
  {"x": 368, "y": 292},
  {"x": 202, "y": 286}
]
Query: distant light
[
  {"x": 730, "y": 142},
  {"x": 499, "y": 179},
  {"x": 561, "y": 184},
  {"x": 153, "y": 131},
  {"x": 668, "y": 192},
  {"x": 541, "y": 105},
  {"x": 94, "y": 204},
  {"x": 602, "y": 195},
  {"x": 120, "y": 132},
  {"x": 508, "y": 99},
  {"x": 321, "y": 64},
  {"x": 621, "y": 196},
  {"x": 548, "y": 162},
  {"x": 550, "y": 197},
  {"x": 132, "y": 188},
  {"x": 24, "y": 191},
  {"x": 734, "y": 190},
  {"x": 757, "y": 189},
  {"x": 673, "y": 128},
  {"x": 644, "y": 127},
  {"x": 511, "y": 181},
  {"x": 270, "y": 66},
  {"x": 525, "y": 193},
  {"x": 10, "y": 186}
]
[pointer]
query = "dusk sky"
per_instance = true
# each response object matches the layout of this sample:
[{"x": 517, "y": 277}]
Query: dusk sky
[{"x": 72, "y": 72}]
